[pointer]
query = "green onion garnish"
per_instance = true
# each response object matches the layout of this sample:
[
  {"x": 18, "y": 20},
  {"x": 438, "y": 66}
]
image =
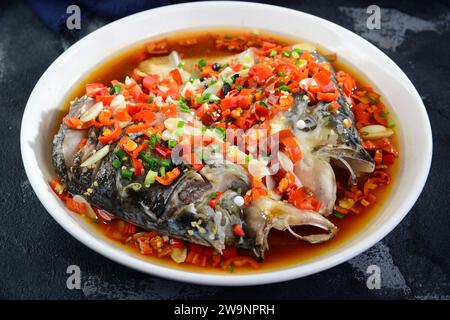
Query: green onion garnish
[
  {"x": 150, "y": 178},
  {"x": 201, "y": 63},
  {"x": 120, "y": 154},
  {"x": 239, "y": 87},
  {"x": 184, "y": 108},
  {"x": 281, "y": 74},
  {"x": 284, "y": 88},
  {"x": 150, "y": 100},
  {"x": 166, "y": 163},
  {"x": 180, "y": 124},
  {"x": 111, "y": 91},
  {"x": 117, "y": 88},
  {"x": 180, "y": 65},
  {"x": 151, "y": 161},
  {"x": 221, "y": 131},
  {"x": 172, "y": 143},
  {"x": 273, "y": 53},
  {"x": 339, "y": 215},
  {"x": 162, "y": 171},
  {"x": 126, "y": 173},
  {"x": 285, "y": 54},
  {"x": 214, "y": 195},
  {"x": 294, "y": 54},
  {"x": 116, "y": 163},
  {"x": 390, "y": 123}
]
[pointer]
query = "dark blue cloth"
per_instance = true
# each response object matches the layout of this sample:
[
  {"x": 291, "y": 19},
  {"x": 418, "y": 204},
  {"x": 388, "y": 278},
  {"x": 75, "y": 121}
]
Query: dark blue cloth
[{"x": 53, "y": 12}]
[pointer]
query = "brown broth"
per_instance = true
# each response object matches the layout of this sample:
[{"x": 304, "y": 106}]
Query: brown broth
[{"x": 285, "y": 251}]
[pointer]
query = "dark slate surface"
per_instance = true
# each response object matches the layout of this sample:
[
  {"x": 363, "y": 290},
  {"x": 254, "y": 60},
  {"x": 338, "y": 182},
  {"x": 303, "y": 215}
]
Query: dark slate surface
[{"x": 415, "y": 258}]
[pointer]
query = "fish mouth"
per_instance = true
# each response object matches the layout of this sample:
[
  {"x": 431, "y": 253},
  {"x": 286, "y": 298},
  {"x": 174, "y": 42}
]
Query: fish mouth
[{"x": 264, "y": 214}]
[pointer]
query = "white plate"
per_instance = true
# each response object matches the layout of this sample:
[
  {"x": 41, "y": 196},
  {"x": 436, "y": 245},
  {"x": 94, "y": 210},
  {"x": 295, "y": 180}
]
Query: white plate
[{"x": 413, "y": 125}]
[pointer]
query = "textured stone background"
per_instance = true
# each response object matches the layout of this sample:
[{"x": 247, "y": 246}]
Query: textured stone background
[{"x": 415, "y": 258}]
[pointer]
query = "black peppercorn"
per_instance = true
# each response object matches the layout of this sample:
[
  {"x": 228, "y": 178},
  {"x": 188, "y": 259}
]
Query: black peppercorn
[{"x": 226, "y": 88}]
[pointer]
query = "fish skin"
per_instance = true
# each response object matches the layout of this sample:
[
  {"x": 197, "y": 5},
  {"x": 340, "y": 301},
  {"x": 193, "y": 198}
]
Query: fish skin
[{"x": 169, "y": 210}]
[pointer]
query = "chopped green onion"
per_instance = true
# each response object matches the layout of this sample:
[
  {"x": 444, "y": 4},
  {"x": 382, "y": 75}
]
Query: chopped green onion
[
  {"x": 184, "y": 108},
  {"x": 390, "y": 123},
  {"x": 191, "y": 79},
  {"x": 150, "y": 178},
  {"x": 384, "y": 114},
  {"x": 206, "y": 96},
  {"x": 150, "y": 100},
  {"x": 172, "y": 143},
  {"x": 239, "y": 87},
  {"x": 202, "y": 63},
  {"x": 153, "y": 140},
  {"x": 162, "y": 171},
  {"x": 273, "y": 53},
  {"x": 339, "y": 215},
  {"x": 284, "y": 88},
  {"x": 281, "y": 74},
  {"x": 166, "y": 163},
  {"x": 151, "y": 161},
  {"x": 120, "y": 154},
  {"x": 230, "y": 268},
  {"x": 116, "y": 164},
  {"x": 180, "y": 124},
  {"x": 229, "y": 80},
  {"x": 111, "y": 90},
  {"x": 295, "y": 55},
  {"x": 204, "y": 128},
  {"x": 117, "y": 88},
  {"x": 214, "y": 195},
  {"x": 248, "y": 157},
  {"x": 180, "y": 65},
  {"x": 221, "y": 131},
  {"x": 126, "y": 173},
  {"x": 285, "y": 54}
]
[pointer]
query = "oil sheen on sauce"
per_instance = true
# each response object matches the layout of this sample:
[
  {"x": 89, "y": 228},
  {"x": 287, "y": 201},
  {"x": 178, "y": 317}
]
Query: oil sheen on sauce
[{"x": 284, "y": 250}]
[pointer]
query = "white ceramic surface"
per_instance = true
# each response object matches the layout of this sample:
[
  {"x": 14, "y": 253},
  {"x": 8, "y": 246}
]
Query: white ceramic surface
[{"x": 413, "y": 125}]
